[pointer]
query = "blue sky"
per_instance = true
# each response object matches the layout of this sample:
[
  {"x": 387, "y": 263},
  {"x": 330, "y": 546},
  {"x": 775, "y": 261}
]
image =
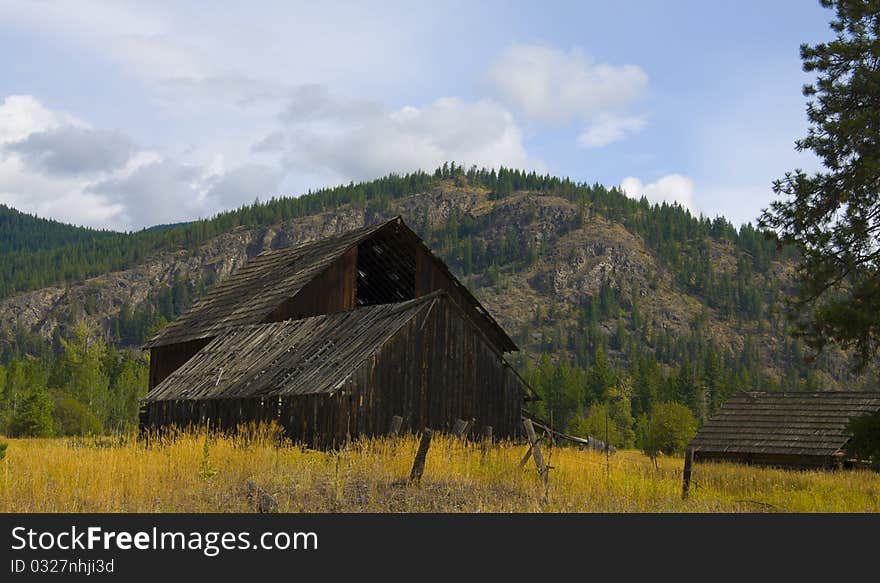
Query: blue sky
[{"x": 127, "y": 114}]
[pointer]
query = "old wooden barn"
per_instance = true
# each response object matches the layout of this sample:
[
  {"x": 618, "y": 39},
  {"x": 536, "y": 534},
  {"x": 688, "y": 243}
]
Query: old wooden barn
[
  {"x": 332, "y": 339},
  {"x": 794, "y": 430}
]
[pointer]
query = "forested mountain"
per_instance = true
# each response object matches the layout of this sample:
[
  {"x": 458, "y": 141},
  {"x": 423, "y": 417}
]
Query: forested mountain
[
  {"x": 22, "y": 232},
  {"x": 615, "y": 302}
]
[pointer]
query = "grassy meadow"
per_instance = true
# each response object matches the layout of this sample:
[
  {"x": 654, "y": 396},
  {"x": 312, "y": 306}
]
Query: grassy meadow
[{"x": 185, "y": 475}]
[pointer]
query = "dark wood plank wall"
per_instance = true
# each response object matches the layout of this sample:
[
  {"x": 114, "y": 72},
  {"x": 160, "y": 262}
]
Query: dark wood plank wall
[
  {"x": 164, "y": 360},
  {"x": 434, "y": 371},
  {"x": 331, "y": 291}
]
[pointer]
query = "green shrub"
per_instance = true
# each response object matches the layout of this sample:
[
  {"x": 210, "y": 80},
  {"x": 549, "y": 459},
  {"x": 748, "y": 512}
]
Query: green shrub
[
  {"x": 669, "y": 429},
  {"x": 612, "y": 419},
  {"x": 74, "y": 418}
]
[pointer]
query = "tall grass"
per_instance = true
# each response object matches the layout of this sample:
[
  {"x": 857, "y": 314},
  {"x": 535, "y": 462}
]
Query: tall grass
[{"x": 197, "y": 472}]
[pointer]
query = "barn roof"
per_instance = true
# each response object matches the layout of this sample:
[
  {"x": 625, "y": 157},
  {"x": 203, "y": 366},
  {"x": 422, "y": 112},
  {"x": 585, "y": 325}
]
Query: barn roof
[
  {"x": 293, "y": 357},
  {"x": 795, "y": 423},
  {"x": 252, "y": 292},
  {"x": 249, "y": 295}
]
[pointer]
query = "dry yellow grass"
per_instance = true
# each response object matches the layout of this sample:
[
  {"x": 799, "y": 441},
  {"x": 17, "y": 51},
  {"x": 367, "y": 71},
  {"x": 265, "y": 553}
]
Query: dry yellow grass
[{"x": 120, "y": 475}]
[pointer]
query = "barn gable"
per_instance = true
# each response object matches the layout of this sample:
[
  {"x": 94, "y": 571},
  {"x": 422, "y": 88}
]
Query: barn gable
[
  {"x": 797, "y": 429},
  {"x": 423, "y": 359}
]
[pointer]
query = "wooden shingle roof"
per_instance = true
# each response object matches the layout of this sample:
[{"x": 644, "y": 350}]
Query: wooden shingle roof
[
  {"x": 293, "y": 357},
  {"x": 795, "y": 423}
]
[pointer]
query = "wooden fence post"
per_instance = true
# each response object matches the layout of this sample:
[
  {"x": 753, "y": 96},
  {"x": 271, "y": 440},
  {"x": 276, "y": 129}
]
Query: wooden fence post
[
  {"x": 686, "y": 478},
  {"x": 486, "y": 442},
  {"x": 394, "y": 429},
  {"x": 535, "y": 448},
  {"x": 522, "y": 462},
  {"x": 419, "y": 463}
]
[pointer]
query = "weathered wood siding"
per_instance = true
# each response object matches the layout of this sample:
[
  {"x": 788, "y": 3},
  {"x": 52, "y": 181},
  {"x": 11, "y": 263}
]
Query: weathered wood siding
[
  {"x": 444, "y": 365},
  {"x": 431, "y": 373},
  {"x": 430, "y": 276},
  {"x": 330, "y": 292}
]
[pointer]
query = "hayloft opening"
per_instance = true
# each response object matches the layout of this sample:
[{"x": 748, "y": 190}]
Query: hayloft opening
[{"x": 386, "y": 269}]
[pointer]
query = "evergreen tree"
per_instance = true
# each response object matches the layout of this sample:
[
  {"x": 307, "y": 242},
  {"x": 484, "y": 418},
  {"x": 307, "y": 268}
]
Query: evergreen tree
[
  {"x": 832, "y": 216},
  {"x": 600, "y": 378},
  {"x": 33, "y": 417}
]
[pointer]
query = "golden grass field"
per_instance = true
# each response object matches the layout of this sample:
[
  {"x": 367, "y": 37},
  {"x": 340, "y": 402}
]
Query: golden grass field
[{"x": 121, "y": 475}]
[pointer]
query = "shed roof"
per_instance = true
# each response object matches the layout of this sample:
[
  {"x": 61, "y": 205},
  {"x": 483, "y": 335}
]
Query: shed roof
[
  {"x": 794, "y": 423},
  {"x": 294, "y": 357},
  {"x": 249, "y": 295}
]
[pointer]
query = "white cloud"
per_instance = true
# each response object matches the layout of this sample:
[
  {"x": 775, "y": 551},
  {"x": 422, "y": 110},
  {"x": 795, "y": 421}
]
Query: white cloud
[
  {"x": 64, "y": 198},
  {"x": 315, "y": 102},
  {"x": 244, "y": 184},
  {"x": 232, "y": 112},
  {"x": 166, "y": 46},
  {"x": 102, "y": 178},
  {"x": 670, "y": 188},
  {"x": 22, "y": 115},
  {"x": 33, "y": 189},
  {"x": 73, "y": 150},
  {"x": 55, "y": 165},
  {"x": 556, "y": 87},
  {"x": 157, "y": 192},
  {"x": 609, "y": 128},
  {"x": 354, "y": 140},
  {"x": 160, "y": 56}
]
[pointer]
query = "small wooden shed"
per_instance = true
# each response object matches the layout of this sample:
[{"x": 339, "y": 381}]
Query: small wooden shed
[{"x": 790, "y": 429}]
